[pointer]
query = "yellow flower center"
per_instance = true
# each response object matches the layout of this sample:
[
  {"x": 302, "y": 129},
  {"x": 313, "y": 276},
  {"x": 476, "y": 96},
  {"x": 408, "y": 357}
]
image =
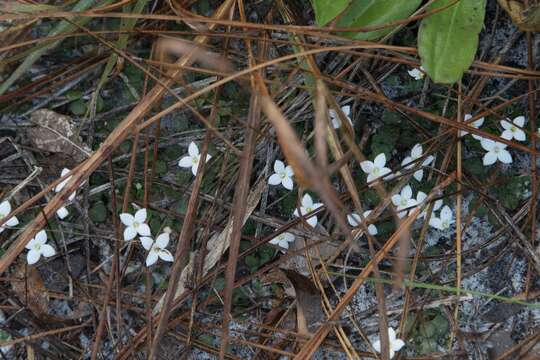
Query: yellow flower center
[{"x": 136, "y": 224}]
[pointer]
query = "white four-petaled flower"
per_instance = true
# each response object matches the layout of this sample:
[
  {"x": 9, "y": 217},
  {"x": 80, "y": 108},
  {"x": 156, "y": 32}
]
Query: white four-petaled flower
[
  {"x": 376, "y": 168},
  {"x": 475, "y": 124},
  {"x": 283, "y": 240},
  {"x": 420, "y": 198},
  {"x": 395, "y": 344},
  {"x": 282, "y": 175},
  {"x": 410, "y": 161},
  {"x": 512, "y": 130},
  {"x": 38, "y": 246},
  {"x": 135, "y": 224},
  {"x": 416, "y": 73},
  {"x": 354, "y": 220},
  {"x": 495, "y": 151},
  {"x": 63, "y": 212},
  {"x": 403, "y": 200},
  {"x": 307, "y": 207},
  {"x": 444, "y": 220},
  {"x": 156, "y": 249},
  {"x": 193, "y": 158},
  {"x": 336, "y": 121},
  {"x": 5, "y": 209}
]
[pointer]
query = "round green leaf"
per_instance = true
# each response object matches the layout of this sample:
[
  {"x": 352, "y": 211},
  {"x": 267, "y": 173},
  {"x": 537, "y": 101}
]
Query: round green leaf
[{"x": 98, "y": 212}]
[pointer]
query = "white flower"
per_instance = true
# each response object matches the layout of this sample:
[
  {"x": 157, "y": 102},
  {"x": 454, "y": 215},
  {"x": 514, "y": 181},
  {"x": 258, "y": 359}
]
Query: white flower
[
  {"x": 5, "y": 209},
  {"x": 135, "y": 224},
  {"x": 336, "y": 121},
  {"x": 354, "y": 220},
  {"x": 63, "y": 212},
  {"x": 156, "y": 249},
  {"x": 375, "y": 169},
  {"x": 409, "y": 161},
  {"x": 495, "y": 151},
  {"x": 307, "y": 207},
  {"x": 394, "y": 343},
  {"x": 475, "y": 124},
  {"x": 512, "y": 130},
  {"x": 403, "y": 200},
  {"x": 416, "y": 73},
  {"x": 283, "y": 175},
  {"x": 38, "y": 246},
  {"x": 283, "y": 240},
  {"x": 420, "y": 198},
  {"x": 444, "y": 220},
  {"x": 193, "y": 158}
]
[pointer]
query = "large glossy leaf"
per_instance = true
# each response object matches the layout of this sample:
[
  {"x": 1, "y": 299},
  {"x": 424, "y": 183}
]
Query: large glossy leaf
[
  {"x": 375, "y": 12},
  {"x": 326, "y": 10},
  {"x": 447, "y": 40}
]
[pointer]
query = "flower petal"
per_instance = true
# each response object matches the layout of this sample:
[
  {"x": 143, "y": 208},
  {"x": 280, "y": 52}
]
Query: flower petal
[
  {"x": 41, "y": 237},
  {"x": 519, "y": 121},
  {"x": 489, "y": 158},
  {"x": 194, "y": 169},
  {"x": 140, "y": 215},
  {"x": 127, "y": 219},
  {"x": 416, "y": 151},
  {"x": 185, "y": 162},
  {"x": 505, "y": 157},
  {"x": 436, "y": 223},
  {"x": 193, "y": 150},
  {"x": 144, "y": 230},
  {"x": 289, "y": 171},
  {"x": 5, "y": 208},
  {"x": 353, "y": 219},
  {"x": 397, "y": 344},
  {"x": 312, "y": 221},
  {"x": 166, "y": 255},
  {"x": 47, "y": 250},
  {"x": 372, "y": 229},
  {"x": 391, "y": 334},
  {"x": 146, "y": 242},
  {"x": 274, "y": 179},
  {"x": 151, "y": 258},
  {"x": 13, "y": 221},
  {"x": 506, "y": 124},
  {"x": 33, "y": 256},
  {"x": 162, "y": 240},
  {"x": 446, "y": 213},
  {"x": 129, "y": 233},
  {"x": 279, "y": 166},
  {"x": 396, "y": 199},
  {"x": 287, "y": 183},
  {"x": 62, "y": 213},
  {"x": 377, "y": 346},
  {"x": 288, "y": 236},
  {"x": 307, "y": 201},
  {"x": 487, "y": 144},
  {"x": 519, "y": 135},
  {"x": 507, "y": 134},
  {"x": 367, "y": 166},
  {"x": 380, "y": 160},
  {"x": 406, "y": 192}
]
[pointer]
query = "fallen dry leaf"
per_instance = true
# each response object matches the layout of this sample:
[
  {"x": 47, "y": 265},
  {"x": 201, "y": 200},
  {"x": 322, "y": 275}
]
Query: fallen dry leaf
[{"x": 56, "y": 133}]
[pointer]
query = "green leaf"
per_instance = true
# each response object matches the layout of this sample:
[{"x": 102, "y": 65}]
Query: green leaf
[
  {"x": 375, "y": 12},
  {"x": 252, "y": 262},
  {"x": 326, "y": 10},
  {"x": 78, "y": 107},
  {"x": 447, "y": 40},
  {"x": 98, "y": 212}
]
